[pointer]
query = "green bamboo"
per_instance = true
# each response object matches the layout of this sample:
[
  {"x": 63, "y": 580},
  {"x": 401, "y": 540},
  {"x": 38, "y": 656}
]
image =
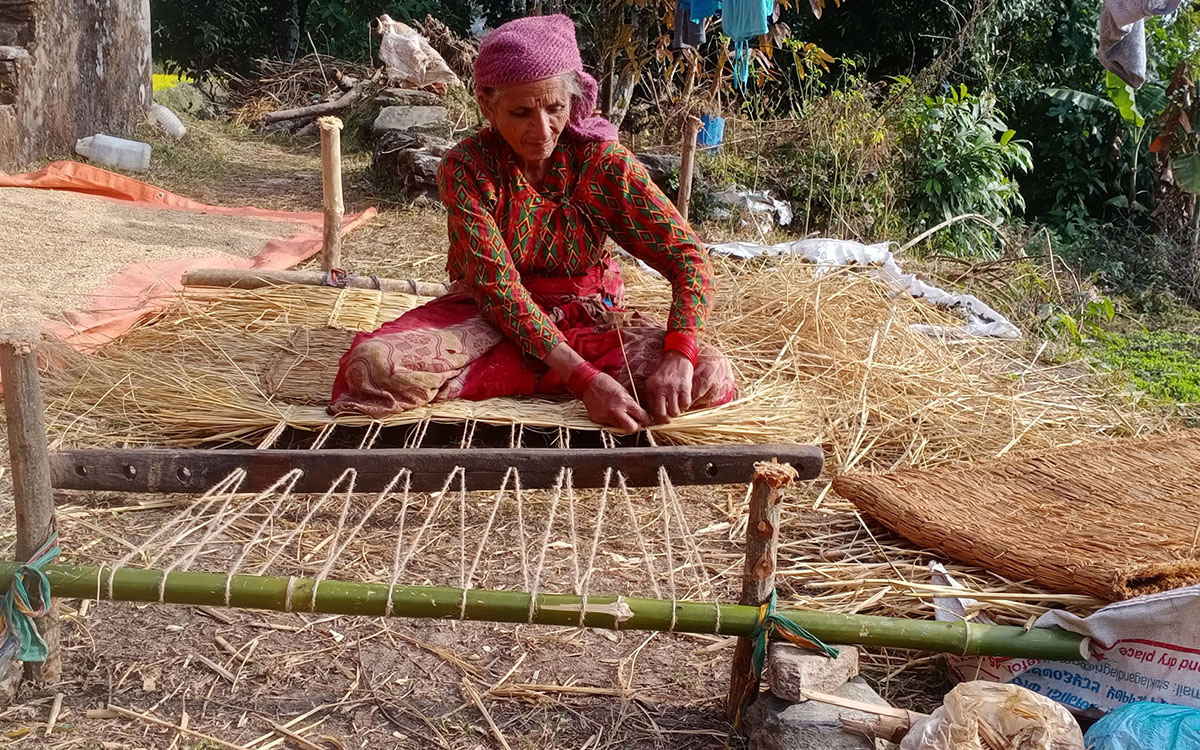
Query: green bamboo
[{"x": 609, "y": 612}]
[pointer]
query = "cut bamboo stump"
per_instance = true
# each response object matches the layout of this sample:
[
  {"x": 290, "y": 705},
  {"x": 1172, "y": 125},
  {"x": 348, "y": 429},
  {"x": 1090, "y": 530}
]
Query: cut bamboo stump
[
  {"x": 758, "y": 581},
  {"x": 331, "y": 186},
  {"x": 33, "y": 497},
  {"x": 687, "y": 166}
]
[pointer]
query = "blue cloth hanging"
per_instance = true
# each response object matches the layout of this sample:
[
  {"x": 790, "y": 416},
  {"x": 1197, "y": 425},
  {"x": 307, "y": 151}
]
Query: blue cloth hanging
[
  {"x": 702, "y": 9},
  {"x": 743, "y": 21},
  {"x": 688, "y": 33}
]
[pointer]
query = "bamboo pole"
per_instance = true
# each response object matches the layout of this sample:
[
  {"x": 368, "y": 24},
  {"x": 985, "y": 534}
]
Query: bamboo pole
[
  {"x": 236, "y": 278},
  {"x": 687, "y": 165},
  {"x": 331, "y": 187},
  {"x": 33, "y": 498},
  {"x": 608, "y": 612},
  {"x": 758, "y": 579}
]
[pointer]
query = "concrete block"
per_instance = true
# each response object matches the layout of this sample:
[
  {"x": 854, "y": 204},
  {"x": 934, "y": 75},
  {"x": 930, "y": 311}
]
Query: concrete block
[
  {"x": 791, "y": 668},
  {"x": 775, "y": 724}
]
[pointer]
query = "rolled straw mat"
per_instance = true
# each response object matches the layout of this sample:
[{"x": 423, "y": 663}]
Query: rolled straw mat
[{"x": 1114, "y": 519}]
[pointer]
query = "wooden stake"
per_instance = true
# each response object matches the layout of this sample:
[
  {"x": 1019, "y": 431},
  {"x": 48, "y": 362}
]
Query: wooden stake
[
  {"x": 758, "y": 581},
  {"x": 688, "y": 164},
  {"x": 331, "y": 185},
  {"x": 33, "y": 498}
]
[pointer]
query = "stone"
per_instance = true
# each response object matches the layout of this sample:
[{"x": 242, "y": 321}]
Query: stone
[
  {"x": 408, "y": 98},
  {"x": 409, "y": 160},
  {"x": 776, "y": 724},
  {"x": 427, "y": 119},
  {"x": 664, "y": 170},
  {"x": 791, "y": 669},
  {"x": 185, "y": 98}
]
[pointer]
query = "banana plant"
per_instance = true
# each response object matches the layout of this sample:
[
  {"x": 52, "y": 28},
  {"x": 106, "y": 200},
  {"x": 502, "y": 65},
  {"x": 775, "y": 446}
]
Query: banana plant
[{"x": 1133, "y": 106}]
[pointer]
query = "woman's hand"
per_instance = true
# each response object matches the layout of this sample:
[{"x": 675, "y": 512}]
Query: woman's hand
[
  {"x": 669, "y": 389},
  {"x": 609, "y": 403}
]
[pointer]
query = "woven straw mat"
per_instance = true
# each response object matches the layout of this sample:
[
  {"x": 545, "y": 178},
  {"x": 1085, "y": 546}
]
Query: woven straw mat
[{"x": 1114, "y": 519}]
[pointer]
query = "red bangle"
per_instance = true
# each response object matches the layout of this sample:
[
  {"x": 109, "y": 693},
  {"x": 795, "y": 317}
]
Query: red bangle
[
  {"x": 684, "y": 343},
  {"x": 581, "y": 377}
]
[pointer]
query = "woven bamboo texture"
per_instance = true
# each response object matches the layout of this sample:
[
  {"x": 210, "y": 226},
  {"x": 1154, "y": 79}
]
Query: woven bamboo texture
[{"x": 1115, "y": 519}]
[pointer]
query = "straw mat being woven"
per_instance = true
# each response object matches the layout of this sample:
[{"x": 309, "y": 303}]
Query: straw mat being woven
[{"x": 1115, "y": 519}]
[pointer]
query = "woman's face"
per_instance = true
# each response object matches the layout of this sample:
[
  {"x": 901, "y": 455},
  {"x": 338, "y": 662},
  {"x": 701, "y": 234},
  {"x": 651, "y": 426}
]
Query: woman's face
[{"x": 531, "y": 116}]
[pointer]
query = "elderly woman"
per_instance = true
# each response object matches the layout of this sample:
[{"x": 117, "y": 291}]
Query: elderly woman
[{"x": 536, "y": 300}]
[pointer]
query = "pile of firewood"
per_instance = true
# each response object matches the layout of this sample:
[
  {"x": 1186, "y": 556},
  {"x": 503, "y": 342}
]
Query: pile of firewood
[{"x": 289, "y": 96}]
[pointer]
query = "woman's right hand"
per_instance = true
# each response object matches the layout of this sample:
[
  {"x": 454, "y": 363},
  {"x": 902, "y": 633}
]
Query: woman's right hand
[{"x": 608, "y": 403}]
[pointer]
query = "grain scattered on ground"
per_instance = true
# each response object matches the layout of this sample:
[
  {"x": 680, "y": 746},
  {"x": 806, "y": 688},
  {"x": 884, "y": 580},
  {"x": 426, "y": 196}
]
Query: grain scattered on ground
[{"x": 64, "y": 246}]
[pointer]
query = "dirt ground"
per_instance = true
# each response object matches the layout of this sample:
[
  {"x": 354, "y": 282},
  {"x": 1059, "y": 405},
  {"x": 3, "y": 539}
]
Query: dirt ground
[{"x": 264, "y": 680}]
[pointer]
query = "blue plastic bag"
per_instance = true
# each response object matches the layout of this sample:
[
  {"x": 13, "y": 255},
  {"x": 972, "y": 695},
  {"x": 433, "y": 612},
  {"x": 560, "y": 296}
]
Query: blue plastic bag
[
  {"x": 712, "y": 132},
  {"x": 1146, "y": 726}
]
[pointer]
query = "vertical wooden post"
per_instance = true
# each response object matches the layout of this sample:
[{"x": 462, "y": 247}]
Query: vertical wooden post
[
  {"x": 758, "y": 581},
  {"x": 331, "y": 185},
  {"x": 33, "y": 497},
  {"x": 688, "y": 164}
]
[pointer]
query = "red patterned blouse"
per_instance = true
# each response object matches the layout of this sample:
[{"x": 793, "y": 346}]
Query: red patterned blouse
[{"x": 503, "y": 229}]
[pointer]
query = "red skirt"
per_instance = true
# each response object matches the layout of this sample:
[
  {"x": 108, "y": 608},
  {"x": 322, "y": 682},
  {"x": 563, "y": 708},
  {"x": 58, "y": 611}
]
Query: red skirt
[{"x": 445, "y": 350}]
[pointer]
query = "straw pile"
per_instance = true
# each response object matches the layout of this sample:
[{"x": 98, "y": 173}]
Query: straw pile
[
  {"x": 830, "y": 361},
  {"x": 1115, "y": 520}
]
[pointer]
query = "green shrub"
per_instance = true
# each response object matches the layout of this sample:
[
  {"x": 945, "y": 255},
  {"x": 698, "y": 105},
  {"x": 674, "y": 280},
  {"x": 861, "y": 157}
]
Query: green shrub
[
  {"x": 837, "y": 161},
  {"x": 962, "y": 160}
]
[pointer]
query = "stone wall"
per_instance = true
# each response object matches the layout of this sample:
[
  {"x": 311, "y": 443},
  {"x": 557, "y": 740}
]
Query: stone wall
[{"x": 68, "y": 69}]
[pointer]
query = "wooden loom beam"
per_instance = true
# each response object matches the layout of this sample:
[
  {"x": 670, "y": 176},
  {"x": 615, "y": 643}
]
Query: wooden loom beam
[
  {"x": 237, "y": 278},
  {"x": 195, "y": 471},
  {"x": 33, "y": 496},
  {"x": 569, "y": 610}
]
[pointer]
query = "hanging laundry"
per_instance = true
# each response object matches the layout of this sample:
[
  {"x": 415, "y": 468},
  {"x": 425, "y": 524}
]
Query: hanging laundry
[
  {"x": 688, "y": 31},
  {"x": 1123, "y": 36},
  {"x": 703, "y": 9},
  {"x": 743, "y": 21}
]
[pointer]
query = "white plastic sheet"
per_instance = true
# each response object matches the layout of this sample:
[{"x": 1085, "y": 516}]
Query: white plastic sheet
[
  {"x": 409, "y": 59},
  {"x": 1142, "y": 649}
]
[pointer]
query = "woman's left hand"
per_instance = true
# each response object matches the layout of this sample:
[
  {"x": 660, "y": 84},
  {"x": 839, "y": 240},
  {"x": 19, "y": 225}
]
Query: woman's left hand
[{"x": 670, "y": 387}]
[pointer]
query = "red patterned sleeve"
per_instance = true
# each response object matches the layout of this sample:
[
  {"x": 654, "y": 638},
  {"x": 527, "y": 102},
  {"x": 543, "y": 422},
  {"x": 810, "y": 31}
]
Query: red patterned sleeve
[
  {"x": 631, "y": 209},
  {"x": 480, "y": 257}
]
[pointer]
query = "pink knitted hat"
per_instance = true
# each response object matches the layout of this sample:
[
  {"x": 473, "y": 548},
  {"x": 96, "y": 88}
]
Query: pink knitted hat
[{"x": 538, "y": 47}]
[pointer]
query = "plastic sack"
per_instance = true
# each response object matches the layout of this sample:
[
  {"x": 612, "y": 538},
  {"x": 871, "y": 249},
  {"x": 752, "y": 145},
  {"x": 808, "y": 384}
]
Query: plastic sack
[
  {"x": 983, "y": 715},
  {"x": 408, "y": 59},
  {"x": 1147, "y": 726}
]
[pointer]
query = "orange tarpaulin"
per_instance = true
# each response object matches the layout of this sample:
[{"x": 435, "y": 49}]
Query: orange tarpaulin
[{"x": 145, "y": 288}]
